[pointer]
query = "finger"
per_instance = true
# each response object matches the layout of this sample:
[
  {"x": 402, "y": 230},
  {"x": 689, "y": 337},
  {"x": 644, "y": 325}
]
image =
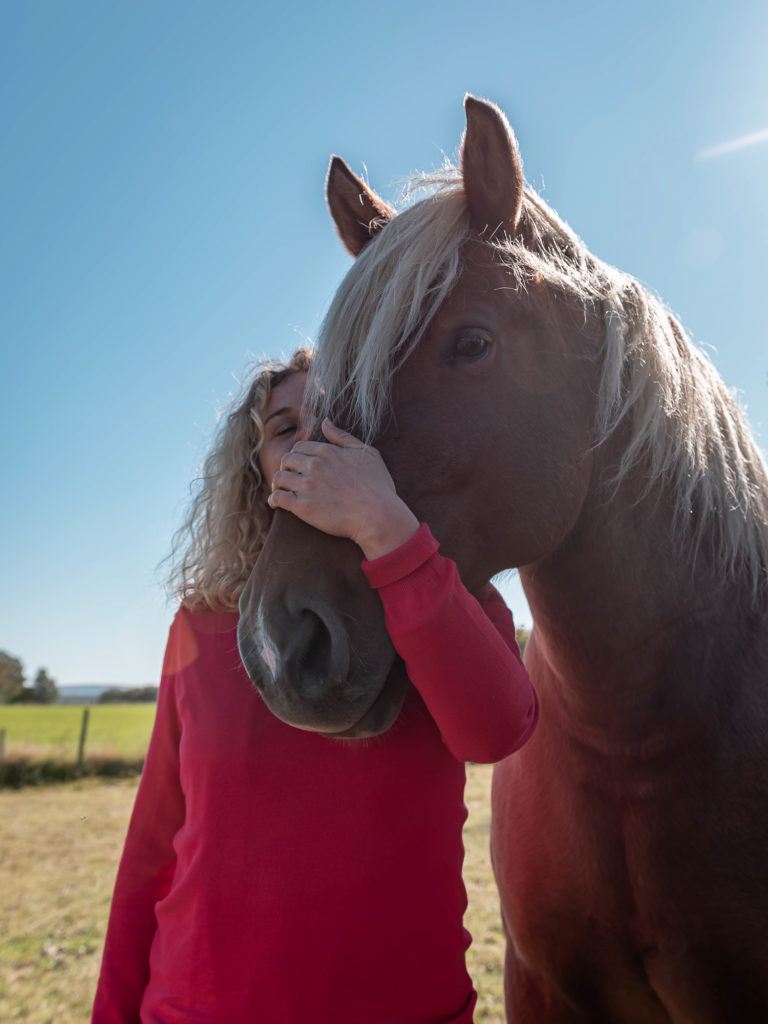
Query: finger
[
  {"x": 286, "y": 480},
  {"x": 315, "y": 448},
  {"x": 297, "y": 462},
  {"x": 282, "y": 499},
  {"x": 340, "y": 437}
]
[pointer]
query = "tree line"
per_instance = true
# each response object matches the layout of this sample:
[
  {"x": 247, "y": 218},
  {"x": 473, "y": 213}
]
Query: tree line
[
  {"x": 121, "y": 695},
  {"x": 13, "y": 688}
]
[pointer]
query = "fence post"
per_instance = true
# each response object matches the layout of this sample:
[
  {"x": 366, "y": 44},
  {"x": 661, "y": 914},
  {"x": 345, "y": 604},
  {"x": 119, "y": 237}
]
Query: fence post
[
  {"x": 81, "y": 748},
  {"x": 2, "y": 752}
]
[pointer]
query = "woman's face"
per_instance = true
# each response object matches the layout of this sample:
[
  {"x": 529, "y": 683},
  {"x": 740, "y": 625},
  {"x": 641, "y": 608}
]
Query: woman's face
[{"x": 281, "y": 422}]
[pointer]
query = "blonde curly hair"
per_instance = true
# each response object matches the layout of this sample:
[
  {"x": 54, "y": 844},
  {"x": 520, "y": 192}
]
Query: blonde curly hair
[{"x": 216, "y": 547}]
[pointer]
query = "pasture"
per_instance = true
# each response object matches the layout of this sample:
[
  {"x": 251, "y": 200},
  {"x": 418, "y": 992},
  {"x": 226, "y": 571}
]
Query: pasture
[
  {"x": 50, "y": 734},
  {"x": 59, "y": 848}
]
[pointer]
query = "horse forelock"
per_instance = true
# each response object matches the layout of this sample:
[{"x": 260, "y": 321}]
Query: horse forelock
[
  {"x": 684, "y": 426},
  {"x": 385, "y": 302}
]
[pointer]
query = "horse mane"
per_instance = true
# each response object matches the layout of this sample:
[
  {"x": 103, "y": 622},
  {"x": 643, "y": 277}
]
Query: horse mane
[{"x": 684, "y": 427}]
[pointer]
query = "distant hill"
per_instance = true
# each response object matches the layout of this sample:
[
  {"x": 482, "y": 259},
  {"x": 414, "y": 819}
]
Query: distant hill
[{"x": 87, "y": 693}]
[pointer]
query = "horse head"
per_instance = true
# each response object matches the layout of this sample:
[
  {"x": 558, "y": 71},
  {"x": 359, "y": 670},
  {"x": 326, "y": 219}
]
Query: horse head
[{"x": 458, "y": 347}]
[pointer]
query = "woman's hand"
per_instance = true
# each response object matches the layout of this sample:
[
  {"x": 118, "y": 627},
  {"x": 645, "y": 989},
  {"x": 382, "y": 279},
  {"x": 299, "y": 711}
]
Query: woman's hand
[{"x": 343, "y": 488}]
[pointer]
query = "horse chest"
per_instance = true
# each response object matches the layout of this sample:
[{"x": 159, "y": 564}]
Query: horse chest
[{"x": 614, "y": 873}]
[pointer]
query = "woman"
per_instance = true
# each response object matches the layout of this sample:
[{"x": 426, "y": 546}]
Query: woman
[{"x": 276, "y": 875}]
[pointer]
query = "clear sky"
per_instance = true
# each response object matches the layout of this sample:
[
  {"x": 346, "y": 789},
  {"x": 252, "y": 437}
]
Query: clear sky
[{"x": 162, "y": 222}]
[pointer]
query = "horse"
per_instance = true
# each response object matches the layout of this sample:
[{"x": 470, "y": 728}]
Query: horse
[{"x": 540, "y": 409}]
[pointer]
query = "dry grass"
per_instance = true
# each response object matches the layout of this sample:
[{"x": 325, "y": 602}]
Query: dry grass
[
  {"x": 486, "y": 954},
  {"x": 59, "y": 847}
]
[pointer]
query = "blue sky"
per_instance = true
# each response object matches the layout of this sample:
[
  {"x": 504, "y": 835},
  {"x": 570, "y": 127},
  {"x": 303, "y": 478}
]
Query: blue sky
[{"x": 162, "y": 222}]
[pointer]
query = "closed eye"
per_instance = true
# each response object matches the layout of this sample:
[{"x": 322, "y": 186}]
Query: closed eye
[{"x": 286, "y": 428}]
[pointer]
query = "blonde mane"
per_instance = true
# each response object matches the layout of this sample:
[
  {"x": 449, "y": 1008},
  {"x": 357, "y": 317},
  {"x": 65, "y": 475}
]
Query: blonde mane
[{"x": 685, "y": 428}]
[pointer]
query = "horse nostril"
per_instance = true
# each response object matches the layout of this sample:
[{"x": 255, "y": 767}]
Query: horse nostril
[
  {"x": 317, "y": 662},
  {"x": 314, "y": 657}
]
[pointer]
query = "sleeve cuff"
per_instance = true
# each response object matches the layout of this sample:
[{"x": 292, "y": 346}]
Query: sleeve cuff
[{"x": 401, "y": 562}]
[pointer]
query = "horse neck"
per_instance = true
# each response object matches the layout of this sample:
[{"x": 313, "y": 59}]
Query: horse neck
[{"x": 625, "y": 619}]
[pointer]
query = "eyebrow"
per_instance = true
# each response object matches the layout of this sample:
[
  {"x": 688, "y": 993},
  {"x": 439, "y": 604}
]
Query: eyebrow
[{"x": 278, "y": 412}]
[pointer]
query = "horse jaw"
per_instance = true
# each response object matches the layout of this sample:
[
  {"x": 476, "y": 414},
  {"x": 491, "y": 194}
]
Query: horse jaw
[{"x": 481, "y": 479}]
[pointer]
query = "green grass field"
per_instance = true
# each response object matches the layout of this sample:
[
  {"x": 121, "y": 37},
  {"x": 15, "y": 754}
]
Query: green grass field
[
  {"x": 37, "y": 731},
  {"x": 59, "y": 849}
]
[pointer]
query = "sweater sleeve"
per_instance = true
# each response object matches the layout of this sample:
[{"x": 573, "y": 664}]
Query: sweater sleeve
[
  {"x": 148, "y": 861},
  {"x": 461, "y": 655}
]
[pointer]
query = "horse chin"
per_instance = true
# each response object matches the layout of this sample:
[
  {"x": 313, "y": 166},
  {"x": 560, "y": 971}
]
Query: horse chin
[
  {"x": 379, "y": 714},
  {"x": 383, "y": 712}
]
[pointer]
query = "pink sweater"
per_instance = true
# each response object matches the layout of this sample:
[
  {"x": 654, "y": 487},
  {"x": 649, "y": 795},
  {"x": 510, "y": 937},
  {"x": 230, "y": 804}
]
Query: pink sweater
[{"x": 278, "y": 876}]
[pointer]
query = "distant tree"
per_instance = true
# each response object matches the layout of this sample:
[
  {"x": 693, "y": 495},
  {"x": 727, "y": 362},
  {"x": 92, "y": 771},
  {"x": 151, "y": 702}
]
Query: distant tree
[
  {"x": 111, "y": 696},
  {"x": 11, "y": 678},
  {"x": 522, "y": 634},
  {"x": 44, "y": 688},
  {"x": 27, "y": 696}
]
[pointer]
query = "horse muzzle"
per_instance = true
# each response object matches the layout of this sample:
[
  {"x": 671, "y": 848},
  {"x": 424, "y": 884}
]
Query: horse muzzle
[{"x": 314, "y": 642}]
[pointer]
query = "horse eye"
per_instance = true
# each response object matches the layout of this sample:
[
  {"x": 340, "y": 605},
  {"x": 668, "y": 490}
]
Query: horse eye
[{"x": 470, "y": 346}]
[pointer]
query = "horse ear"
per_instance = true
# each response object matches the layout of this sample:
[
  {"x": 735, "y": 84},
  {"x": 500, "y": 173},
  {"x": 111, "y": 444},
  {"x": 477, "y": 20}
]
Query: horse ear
[
  {"x": 492, "y": 168},
  {"x": 357, "y": 211}
]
